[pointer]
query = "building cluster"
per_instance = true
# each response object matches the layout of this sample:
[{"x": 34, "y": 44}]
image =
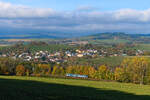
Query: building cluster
[{"x": 63, "y": 56}]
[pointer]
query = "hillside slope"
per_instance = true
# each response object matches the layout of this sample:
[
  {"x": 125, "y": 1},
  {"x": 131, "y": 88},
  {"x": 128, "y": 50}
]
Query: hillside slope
[
  {"x": 118, "y": 37},
  {"x": 36, "y": 88}
]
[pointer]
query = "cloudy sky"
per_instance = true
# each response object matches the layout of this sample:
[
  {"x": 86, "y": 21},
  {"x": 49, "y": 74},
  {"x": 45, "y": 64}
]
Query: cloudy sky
[{"x": 74, "y": 16}]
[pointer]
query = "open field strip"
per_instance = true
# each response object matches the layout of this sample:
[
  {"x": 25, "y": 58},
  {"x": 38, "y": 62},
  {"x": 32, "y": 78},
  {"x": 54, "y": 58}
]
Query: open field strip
[{"x": 125, "y": 87}]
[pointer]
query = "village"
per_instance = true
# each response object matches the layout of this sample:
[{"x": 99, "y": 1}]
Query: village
[{"x": 63, "y": 56}]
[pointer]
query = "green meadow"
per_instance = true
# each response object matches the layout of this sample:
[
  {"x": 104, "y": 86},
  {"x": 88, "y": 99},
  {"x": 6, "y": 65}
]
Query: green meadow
[
  {"x": 108, "y": 41},
  {"x": 109, "y": 61},
  {"x": 143, "y": 47},
  {"x": 40, "y": 88}
]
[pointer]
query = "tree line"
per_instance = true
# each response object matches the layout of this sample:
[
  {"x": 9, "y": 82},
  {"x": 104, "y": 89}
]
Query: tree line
[{"x": 132, "y": 70}]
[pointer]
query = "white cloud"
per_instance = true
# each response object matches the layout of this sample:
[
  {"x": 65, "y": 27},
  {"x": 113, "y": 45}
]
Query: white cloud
[
  {"x": 28, "y": 18},
  {"x": 7, "y": 10}
]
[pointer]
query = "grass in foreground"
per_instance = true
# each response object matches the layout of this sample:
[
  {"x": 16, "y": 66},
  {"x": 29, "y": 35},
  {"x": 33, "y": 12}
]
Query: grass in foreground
[{"x": 35, "y": 88}]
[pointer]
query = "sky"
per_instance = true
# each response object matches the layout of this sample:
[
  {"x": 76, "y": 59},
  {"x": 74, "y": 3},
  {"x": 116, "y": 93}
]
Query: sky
[
  {"x": 68, "y": 5},
  {"x": 74, "y": 16}
]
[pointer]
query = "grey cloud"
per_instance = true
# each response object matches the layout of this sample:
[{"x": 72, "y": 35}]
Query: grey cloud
[{"x": 19, "y": 17}]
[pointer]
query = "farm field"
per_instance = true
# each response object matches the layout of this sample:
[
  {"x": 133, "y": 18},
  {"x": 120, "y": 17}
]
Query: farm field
[
  {"x": 37, "y": 88},
  {"x": 143, "y": 47},
  {"x": 109, "y": 61},
  {"x": 109, "y": 41}
]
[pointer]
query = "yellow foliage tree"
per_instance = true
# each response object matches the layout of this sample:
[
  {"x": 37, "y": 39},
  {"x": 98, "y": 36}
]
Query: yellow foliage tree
[
  {"x": 137, "y": 68},
  {"x": 69, "y": 70},
  {"x": 85, "y": 70},
  {"x": 119, "y": 74},
  {"x": 92, "y": 72},
  {"x": 62, "y": 71},
  {"x": 102, "y": 71},
  {"x": 20, "y": 70},
  {"x": 55, "y": 70}
]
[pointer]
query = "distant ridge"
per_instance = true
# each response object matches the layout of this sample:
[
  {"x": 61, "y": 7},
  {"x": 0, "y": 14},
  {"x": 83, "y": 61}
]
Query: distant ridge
[
  {"x": 39, "y": 35},
  {"x": 122, "y": 35},
  {"x": 142, "y": 38},
  {"x": 99, "y": 36},
  {"x": 29, "y": 37}
]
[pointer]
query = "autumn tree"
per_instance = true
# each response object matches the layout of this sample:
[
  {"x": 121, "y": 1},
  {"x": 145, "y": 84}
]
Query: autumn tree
[
  {"x": 69, "y": 70},
  {"x": 55, "y": 70},
  {"x": 62, "y": 71},
  {"x": 137, "y": 68},
  {"x": 92, "y": 72},
  {"x": 45, "y": 69},
  {"x": 101, "y": 72},
  {"x": 121, "y": 75},
  {"x": 20, "y": 70},
  {"x": 85, "y": 70}
]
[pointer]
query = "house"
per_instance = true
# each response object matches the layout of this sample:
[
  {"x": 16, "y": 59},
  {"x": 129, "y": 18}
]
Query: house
[{"x": 79, "y": 55}]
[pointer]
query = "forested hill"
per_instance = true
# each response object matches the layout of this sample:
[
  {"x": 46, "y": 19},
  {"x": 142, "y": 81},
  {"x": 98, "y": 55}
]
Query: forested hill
[{"x": 119, "y": 36}]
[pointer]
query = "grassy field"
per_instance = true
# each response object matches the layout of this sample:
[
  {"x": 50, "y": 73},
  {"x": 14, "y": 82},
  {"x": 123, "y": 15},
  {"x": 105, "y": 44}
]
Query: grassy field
[
  {"x": 109, "y": 41},
  {"x": 35, "y": 88},
  {"x": 109, "y": 61},
  {"x": 143, "y": 47},
  {"x": 50, "y": 48}
]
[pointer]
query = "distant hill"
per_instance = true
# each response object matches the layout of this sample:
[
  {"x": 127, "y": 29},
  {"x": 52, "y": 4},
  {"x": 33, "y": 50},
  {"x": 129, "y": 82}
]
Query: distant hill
[
  {"x": 39, "y": 35},
  {"x": 32, "y": 36},
  {"x": 118, "y": 36},
  {"x": 29, "y": 37},
  {"x": 108, "y": 37}
]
